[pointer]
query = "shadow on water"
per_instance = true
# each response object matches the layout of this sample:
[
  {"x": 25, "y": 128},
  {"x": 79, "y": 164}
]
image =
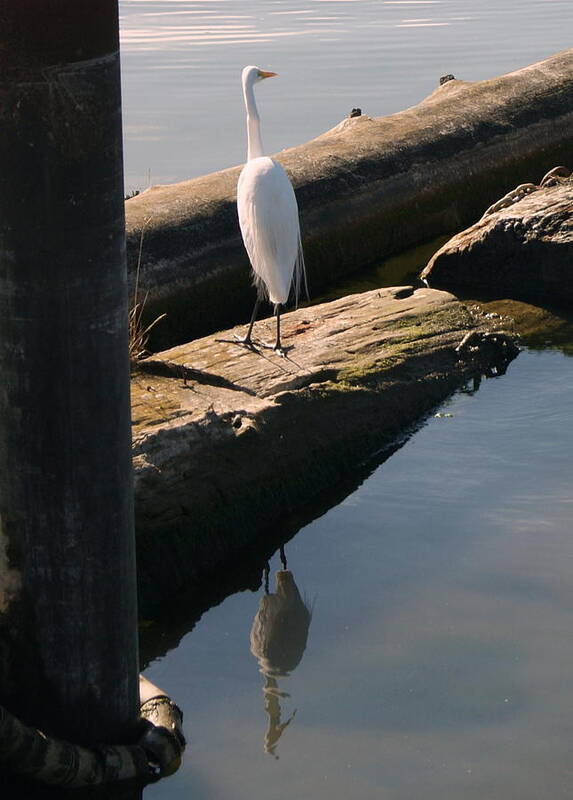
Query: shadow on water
[
  {"x": 278, "y": 639},
  {"x": 399, "y": 270}
]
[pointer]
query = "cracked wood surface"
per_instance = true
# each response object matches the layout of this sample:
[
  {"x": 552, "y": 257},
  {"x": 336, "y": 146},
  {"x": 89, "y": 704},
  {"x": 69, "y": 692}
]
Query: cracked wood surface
[{"x": 216, "y": 377}]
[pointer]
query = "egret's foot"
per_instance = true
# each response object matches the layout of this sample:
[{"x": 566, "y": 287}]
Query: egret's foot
[
  {"x": 276, "y": 347},
  {"x": 238, "y": 340},
  {"x": 246, "y": 340}
]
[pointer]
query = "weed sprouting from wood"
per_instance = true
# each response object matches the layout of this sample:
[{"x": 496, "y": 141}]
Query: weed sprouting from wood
[{"x": 138, "y": 335}]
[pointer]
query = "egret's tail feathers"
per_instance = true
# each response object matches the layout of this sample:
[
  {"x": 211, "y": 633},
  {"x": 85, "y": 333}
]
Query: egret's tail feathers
[
  {"x": 299, "y": 282},
  {"x": 277, "y": 284}
]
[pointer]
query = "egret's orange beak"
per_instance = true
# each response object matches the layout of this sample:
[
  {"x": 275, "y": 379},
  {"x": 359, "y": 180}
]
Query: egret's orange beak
[{"x": 264, "y": 74}]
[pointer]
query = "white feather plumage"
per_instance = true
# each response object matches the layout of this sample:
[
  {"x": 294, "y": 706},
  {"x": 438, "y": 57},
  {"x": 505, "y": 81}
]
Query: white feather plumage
[{"x": 268, "y": 218}]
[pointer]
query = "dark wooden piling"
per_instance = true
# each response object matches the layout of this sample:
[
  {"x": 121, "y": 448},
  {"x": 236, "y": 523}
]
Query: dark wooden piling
[{"x": 68, "y": 647}]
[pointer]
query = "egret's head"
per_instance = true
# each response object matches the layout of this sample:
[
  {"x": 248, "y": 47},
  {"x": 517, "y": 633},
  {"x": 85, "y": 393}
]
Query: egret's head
[{"x": 252, "y": 75}]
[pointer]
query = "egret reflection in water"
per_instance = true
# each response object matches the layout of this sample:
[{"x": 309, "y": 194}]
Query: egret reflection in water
[{"x": 278, "y": 640}]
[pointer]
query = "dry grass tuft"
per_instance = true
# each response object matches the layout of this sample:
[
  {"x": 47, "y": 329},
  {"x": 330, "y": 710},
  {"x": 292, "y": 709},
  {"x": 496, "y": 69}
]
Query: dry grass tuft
[{"x": 138, "y": 335}]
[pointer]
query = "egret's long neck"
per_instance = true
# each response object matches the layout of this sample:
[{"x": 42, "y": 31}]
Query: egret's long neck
[{"x": 254, "y": 141}]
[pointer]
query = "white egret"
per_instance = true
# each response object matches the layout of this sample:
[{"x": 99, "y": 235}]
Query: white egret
[{"x": 268, "y": 217}]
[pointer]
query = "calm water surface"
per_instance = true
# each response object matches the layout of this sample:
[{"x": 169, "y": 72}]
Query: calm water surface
[
  {"x": 438, "y": 661},
  {"x": 183, "y": 111}
]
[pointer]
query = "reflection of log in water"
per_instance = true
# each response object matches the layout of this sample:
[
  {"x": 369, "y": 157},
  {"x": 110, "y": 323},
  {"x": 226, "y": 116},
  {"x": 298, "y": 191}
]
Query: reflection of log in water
[{"x": 278, "y": 640}]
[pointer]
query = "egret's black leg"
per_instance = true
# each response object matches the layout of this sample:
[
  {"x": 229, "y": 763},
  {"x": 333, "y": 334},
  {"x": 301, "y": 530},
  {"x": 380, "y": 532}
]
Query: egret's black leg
[
  {"x": 278, "y": 341},
  {"x": 253, "y": 318},
  {"x": 247, "y": 339},
  {"x": 277, "y": 345},
  {"x": 283, "y": 556}
]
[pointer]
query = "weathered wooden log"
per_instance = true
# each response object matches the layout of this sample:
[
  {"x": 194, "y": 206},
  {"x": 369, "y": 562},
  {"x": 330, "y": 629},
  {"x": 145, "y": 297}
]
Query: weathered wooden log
[
  {"x": 521, "y": 249},
  {"x": 228, "y": 441},
  {"x": 366, "y": 189}
]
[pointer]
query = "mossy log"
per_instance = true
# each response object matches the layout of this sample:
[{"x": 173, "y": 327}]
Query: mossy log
[
  {"x": 228, "y": 441},
  {"x": 366, "y": 189}
]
